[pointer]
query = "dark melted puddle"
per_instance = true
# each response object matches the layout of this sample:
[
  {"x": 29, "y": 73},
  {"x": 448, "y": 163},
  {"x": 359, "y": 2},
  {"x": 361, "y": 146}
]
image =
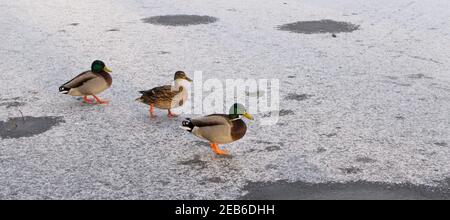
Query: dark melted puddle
[
  {"x": 317, "y": 27},
  {"x": 360, "y": 190},
  {"x": 179, "y": 20},
  {"x": 27, "y": 126}
]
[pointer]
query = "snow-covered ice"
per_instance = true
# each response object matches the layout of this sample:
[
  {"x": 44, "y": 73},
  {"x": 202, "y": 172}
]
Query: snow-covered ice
[{"x": 376, "y": 103}]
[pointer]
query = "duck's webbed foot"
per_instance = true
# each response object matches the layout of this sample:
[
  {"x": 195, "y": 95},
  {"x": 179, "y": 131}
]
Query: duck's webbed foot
[
  {"x": 171, "y": 115},
  {"x": 152, "y": 112},
  {"x": 87, "y": 100},
  {"x": 217, "y": 150},
  {"x": 99, "y": 101}
]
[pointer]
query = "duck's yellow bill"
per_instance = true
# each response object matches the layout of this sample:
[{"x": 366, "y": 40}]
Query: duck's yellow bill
[
  {"x": 106, "y": 69},
  {"x": 247, "y": 115}
]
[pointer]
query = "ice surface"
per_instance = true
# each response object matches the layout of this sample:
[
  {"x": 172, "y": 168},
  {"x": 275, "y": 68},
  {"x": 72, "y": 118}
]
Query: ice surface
[{"x": 381, "y": 93}]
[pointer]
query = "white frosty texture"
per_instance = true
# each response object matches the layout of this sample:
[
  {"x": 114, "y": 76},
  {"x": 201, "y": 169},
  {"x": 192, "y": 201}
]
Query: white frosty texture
[{"x": 380, "y": 96}]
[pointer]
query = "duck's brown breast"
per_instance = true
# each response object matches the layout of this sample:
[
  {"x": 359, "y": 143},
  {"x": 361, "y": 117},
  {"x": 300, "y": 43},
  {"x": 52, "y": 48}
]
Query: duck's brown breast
[{"x": 238, "y": 129}]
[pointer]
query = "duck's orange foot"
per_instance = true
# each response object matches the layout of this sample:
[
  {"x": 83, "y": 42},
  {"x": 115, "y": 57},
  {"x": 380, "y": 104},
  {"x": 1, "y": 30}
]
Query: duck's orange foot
[
  {"x": 217, "y": 150},
  {"x": 86, "y": 100},
  {"x": 171, "y": 115},
  {"x": 100, "y": 102}
]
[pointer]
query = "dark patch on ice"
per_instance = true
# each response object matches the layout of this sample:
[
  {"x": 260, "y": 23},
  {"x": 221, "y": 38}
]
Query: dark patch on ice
[
  {"x": 320, "y": 26},
  {"x": 330, "y": 135},
  {"x": 399, "y": 117},
  {"x": 284, "y": 112},
  {"x": 258, "y": 93},
  {"x": 360, "y": 190},
  {"x": 74, "y": 24},
  {"x": 392, "y": 77},
  {"x": 441, "y": 144},
  {"x": 291, "y": 77},
  {"x": 273, "y": 148},
  {"x": 12, "y": 104},
  {"x": 351, "y": 170},
  {"x": 399, "y": 84},
  {"x": 365, "y": 160},
  {"x": 27, "y": 126},
  {"x": 215, "y": 180},
  {"x": 179, "y": 20},
  {"x": 271, "y": 167},
  {"x": 201, "y": 143},
  {"x": 416, "y": 76},
  {"x": 113, "y": 30},
  {"x": 268, "y": 142},
  {"x": 195, "y": 163},
  {"x": 163, "y": 52},
  {"x": 321, "y": 150},
  {"x": 297, "y": 97}
]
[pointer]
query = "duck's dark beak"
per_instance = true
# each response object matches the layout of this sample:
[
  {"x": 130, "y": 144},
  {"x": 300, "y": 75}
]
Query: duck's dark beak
[{"x": 188, "y": 79}]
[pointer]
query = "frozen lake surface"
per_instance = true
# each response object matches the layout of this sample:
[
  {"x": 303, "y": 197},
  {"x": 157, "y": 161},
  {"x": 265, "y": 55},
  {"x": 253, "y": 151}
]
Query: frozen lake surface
[{"x": 365, "y": 99}]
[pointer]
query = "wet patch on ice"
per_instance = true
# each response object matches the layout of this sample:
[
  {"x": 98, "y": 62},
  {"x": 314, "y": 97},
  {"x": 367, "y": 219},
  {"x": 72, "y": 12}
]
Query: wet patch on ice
[
  {"x": 283, "y": 190},
  {"x": 320, "y": 26},
  {"x": 398, "y": 83},
  {"x": 419, "y": 76},
  {"x": 321, "y": 150},
  {"x": 259, "y": 93},
  {"x": 179, "y": 20},
  {"x": 27, "y": 126},
  {"x": 195, "y": 163},
  {"x": 297, "y": 97},
  {"x": 441, "y": 144},
  {"x": 351, "y": 170},
  {"x": 330, "y": 135},
  {"x": 282, "y": 112},
  {"x": 269, "y": 146},
  {"x": 163, "y": 52},
  {"x": 74, "y": 24},
  {"x": 273, "y": 148},
  {"x": 113, "y": 30},
  {"x": 365, "y": 160},
  {"x": 215, "y": 180},
  {"x": 12, "y": 104},
  {"x": 201, "y": 143},
  {"x": 399, "y": 117}
]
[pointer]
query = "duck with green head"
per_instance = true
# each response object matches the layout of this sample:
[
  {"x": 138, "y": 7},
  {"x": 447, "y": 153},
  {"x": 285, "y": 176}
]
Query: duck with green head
[
  {"x": 89, "y": 83},
  {"x": 220, "y": 128}
]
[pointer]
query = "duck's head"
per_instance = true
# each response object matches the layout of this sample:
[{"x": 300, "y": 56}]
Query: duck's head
[
  {"x": 237, "y": 110},
  {"x": 181, "y": 76},
  {"x": 99, "y": 66}
]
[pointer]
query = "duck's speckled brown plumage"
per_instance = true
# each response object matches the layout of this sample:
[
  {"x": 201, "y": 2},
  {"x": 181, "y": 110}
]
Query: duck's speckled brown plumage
[{"x": 163, "y": 97}]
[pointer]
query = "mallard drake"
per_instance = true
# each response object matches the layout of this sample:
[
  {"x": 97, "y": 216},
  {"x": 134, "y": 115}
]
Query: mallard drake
[
  {"x": 167, "y": 97},
  {"x": 89, "y": 83},
  {"x": 219, "y": 128}
]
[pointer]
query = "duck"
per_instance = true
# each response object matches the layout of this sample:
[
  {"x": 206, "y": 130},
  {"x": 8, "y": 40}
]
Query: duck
[
  {"x": 89, "y": 83},
  {"x": 219, "y": 128},
  {"x": 168, "y": 96}
]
